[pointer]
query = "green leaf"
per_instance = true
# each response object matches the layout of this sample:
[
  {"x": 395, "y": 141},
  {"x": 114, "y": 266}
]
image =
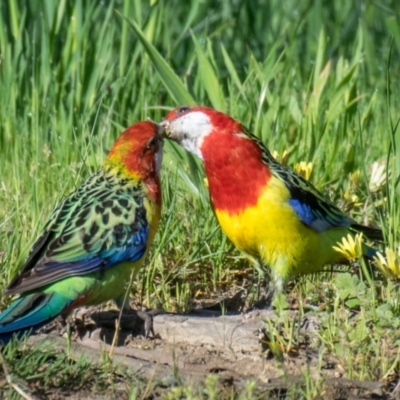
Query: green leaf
[
  {"x": 209, "y": 78},
  {"x": 320, "y": 57},
  {"x": 280, "y": 303},
  {"x": 349, "y": 289},
  {"x": 232, "y": 70},
  {"x": 352, "y": 303},
  {"x": 194, "y": 177},
  {"x": 171, "y": 81}
]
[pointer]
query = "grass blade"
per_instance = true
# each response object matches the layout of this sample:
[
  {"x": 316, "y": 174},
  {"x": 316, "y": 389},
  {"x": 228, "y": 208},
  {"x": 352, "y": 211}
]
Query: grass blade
[{"x": 171, "y": 81}]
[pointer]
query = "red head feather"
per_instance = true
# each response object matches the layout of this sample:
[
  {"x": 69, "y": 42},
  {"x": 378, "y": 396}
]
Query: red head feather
[
  {"x": 233, "y": 161},
  {"x": 138, "y": 150}
]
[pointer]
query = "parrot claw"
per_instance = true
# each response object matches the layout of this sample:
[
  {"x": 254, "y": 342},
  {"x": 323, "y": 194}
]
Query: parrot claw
[
  {"x": 147, "y": 318},
  {"x": 267, "y": 300}
]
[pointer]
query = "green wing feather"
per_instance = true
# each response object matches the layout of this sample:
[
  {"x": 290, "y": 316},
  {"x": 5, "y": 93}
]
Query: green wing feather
[{"x": 100, "y": 224}]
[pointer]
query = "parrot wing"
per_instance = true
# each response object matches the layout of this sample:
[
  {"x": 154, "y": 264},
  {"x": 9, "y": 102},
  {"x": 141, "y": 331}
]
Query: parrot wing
[
  {"x": 310, "y": 205},
  {"x": 101, "y": 224},
  {"x": 313, "y": 209}
]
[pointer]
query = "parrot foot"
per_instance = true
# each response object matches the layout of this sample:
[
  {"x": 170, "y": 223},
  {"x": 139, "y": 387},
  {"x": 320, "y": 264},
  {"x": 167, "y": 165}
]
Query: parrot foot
[
  {"x": 266, "y": 301},
  {"x": 147, "y": 318}
]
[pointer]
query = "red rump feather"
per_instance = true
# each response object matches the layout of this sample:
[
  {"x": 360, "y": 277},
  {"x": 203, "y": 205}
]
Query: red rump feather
[{"x": 235, "y": 171}]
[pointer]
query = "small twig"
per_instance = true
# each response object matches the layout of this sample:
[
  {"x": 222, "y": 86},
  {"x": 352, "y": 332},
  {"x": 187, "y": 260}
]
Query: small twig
[
  {"x": 11, "y": 383},
  {"x": 116, "y": 336},
  {"x": 149, "y": 385},
  {"x": 118, "y": 322}
]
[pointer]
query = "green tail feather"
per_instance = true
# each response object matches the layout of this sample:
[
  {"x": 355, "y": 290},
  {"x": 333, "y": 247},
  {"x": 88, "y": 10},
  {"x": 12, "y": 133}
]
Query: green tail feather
[{"x": 29, "y": 313}]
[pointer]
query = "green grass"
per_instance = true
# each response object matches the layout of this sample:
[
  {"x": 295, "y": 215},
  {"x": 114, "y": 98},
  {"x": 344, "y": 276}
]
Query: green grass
[
  {"x": 41, "y": 369},
  {"x": 318, "y": 79}
]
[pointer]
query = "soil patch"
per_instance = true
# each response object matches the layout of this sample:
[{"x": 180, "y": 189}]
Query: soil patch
[{"x": 187, "y": 348}]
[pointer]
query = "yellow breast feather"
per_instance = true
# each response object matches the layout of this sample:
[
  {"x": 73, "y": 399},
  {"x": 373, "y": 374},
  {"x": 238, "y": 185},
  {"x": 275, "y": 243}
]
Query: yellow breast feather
[{"x": 272, "y": 232}]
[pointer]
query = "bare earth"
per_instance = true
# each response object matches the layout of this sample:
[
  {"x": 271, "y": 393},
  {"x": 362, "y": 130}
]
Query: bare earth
[{"x": 187, "y": 348}]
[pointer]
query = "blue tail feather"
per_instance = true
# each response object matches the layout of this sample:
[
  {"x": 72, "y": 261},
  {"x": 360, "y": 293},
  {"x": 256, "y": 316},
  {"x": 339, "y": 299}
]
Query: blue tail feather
[
  {"x": 29, "y": 313},
  {"x": 369, "y": 252}
]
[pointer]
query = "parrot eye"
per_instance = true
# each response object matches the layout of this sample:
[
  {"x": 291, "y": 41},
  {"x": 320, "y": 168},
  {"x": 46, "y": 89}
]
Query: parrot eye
[
  {"x": 182, "y": 110},
  {"x": 152, "y": 142}
]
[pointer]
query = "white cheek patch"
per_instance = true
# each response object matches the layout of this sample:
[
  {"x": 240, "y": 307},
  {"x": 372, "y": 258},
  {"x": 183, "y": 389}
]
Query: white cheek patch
[
  {"x": 190, "y": 130},
  {"x": 191, "y": 147}
]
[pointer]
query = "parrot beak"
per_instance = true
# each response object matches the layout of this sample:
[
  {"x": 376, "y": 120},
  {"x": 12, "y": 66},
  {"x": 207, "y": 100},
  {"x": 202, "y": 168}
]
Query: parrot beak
[
  {"x": 165, "y": 126},
  {"x": 169, "y": 134},
  {"x": 161, "y": 131}
]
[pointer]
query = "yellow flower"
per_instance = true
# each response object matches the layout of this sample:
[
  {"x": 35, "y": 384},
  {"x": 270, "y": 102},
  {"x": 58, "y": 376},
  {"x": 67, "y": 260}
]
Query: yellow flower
[
  {"x": 283, "y": 159},
  {"x": 351, "y": 200},
  {"x": 304, "y": 169},
  {"x": 354, "y": 179},
  {"x": 378, "y": 176},
  {"x": 205, "y": 182},
  {"x": 350, "y": 247},
  {"x": 389, "y": 265}
]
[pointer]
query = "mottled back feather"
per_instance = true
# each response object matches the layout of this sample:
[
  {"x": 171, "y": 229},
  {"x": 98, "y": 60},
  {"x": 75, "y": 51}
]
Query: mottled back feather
[
  {"x": 314, "y": 209},
  {"x": 102, "y": 223}
]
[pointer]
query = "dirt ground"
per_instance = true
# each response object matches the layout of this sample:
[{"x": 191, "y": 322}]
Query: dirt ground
[{"x": 189, "y": 347}]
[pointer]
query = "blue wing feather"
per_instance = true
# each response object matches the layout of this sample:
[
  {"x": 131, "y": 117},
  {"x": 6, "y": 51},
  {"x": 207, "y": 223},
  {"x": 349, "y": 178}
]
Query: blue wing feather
[
  {"x": 313, "y": 209},
  {"x": 132, "y": 251},
  {"x": 316, "y": 220},
  {"x": 303, "y": 211}
]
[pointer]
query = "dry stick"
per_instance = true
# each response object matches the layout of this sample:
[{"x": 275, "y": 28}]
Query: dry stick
[
  {"x": 149, "y": 383},
  {"x": 118, "y": 322},
  {"x": 11, "y": 383}
]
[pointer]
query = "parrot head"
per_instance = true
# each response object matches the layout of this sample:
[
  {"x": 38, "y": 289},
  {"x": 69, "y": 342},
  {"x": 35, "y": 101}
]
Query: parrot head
[
  {"x": 236, "y": 173},
  {"x": 139, "y": 148},
  {"x": 190, "y": 126}
]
